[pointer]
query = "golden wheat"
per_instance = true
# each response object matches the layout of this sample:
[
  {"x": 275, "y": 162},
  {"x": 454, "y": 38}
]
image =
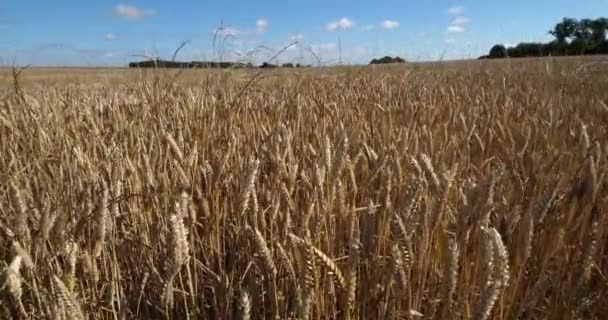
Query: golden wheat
[{"x": 445, "y": 191}]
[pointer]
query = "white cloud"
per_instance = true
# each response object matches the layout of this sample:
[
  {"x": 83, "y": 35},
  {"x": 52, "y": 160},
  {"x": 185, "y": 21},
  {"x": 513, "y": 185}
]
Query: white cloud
[
  {"x": 261, "y": 25},
  {"x": 131, "y": 12},
  {"x": 343, "y": 24},
  {"x": 456, "y": 10},
  {"x": 296, "y": 37},
  {"x": 389, "y": 24},
  {"x": 450, "y": 40},
  {"x": 460, "y": 21},
  {"x": 455, "y": 28},
  {"x": 458, "y": 24},
  {"x": 368, "y": 27},
  {"x": 110, "y": 36}
]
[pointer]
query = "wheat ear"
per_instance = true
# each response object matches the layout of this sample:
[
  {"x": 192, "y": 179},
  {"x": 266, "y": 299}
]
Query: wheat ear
[
  {"x": 66, "y": 301},
  {"x": 249, "y": 186},
  {"x": 450, "y": 275},
  {"x": 245, "y": 306},
  {"x": 263, "y": 249}
]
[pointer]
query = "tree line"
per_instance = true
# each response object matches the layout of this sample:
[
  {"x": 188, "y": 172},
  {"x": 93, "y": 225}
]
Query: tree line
[
  {"x": 572, "y": 37},
  {"x": 387, "y": 60},
  {"x": 158, "y": 63}
]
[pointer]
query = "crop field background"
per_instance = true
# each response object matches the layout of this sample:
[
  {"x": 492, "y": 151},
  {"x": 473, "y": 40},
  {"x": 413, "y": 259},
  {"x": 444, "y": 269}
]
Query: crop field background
[{"x": 470, "y": 190}]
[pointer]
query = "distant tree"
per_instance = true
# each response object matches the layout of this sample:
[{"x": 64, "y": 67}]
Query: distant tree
[
  {"x": 579, "y": 46},
  {"x": 564, "y": 30},
  {"x": 527, "y": 49},
  {"x": 603, "y": 49},
  {"x": 498, "y": 51},
  {"x": 287, "y": 65},
  {"x": 598, "y": 31},
  {"x": 556, "y": 48},
  {"x": 387, "y": 59},
  {"x": 572, "y": 37},
  {"x": 588, "y": 37},
  {"x": 398, "y": 60},
  {"x": 267, "y": 65},
  {"x": 583, "y": 29}
]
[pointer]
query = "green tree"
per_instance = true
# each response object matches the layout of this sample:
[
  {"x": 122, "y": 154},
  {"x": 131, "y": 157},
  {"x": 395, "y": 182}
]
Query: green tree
[
  {"x": 578, "y": 46},
  {"x": 556, "y": 48},
  {"x": 583, "y": 29},
  {"x": 590, "y": 36},
  {"x": 598, "y": 30},
  {"x": 498, "y": 51},
  {"x": 572, "y": 37},
  {"x": 564, "y": 30}
]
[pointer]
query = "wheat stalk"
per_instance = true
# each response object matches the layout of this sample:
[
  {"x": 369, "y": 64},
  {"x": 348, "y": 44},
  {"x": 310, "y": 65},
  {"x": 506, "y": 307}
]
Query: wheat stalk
[
  {"x": 264, "y": 251},
  {"x": 249, "y": 186},
  {"x": 450, "y": 281},
  {"x": 497, "y": 272},
  {"x": 245, "y": 306},
  {"x": 101, "y": 220},
  {"x": 66, "y": 301}
]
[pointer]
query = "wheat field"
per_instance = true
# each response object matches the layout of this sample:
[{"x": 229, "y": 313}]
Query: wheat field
[{"x": 451, "y": 191}]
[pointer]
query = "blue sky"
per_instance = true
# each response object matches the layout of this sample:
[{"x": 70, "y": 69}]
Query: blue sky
[{"x": 104, "y": 32}]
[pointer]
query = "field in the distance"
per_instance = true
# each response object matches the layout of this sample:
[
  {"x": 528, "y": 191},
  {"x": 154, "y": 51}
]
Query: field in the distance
[{"x": 468, "y": 190}]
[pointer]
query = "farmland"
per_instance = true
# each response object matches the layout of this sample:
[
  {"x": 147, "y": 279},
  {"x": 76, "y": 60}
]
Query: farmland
[{"x": 454, "y": 190}]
